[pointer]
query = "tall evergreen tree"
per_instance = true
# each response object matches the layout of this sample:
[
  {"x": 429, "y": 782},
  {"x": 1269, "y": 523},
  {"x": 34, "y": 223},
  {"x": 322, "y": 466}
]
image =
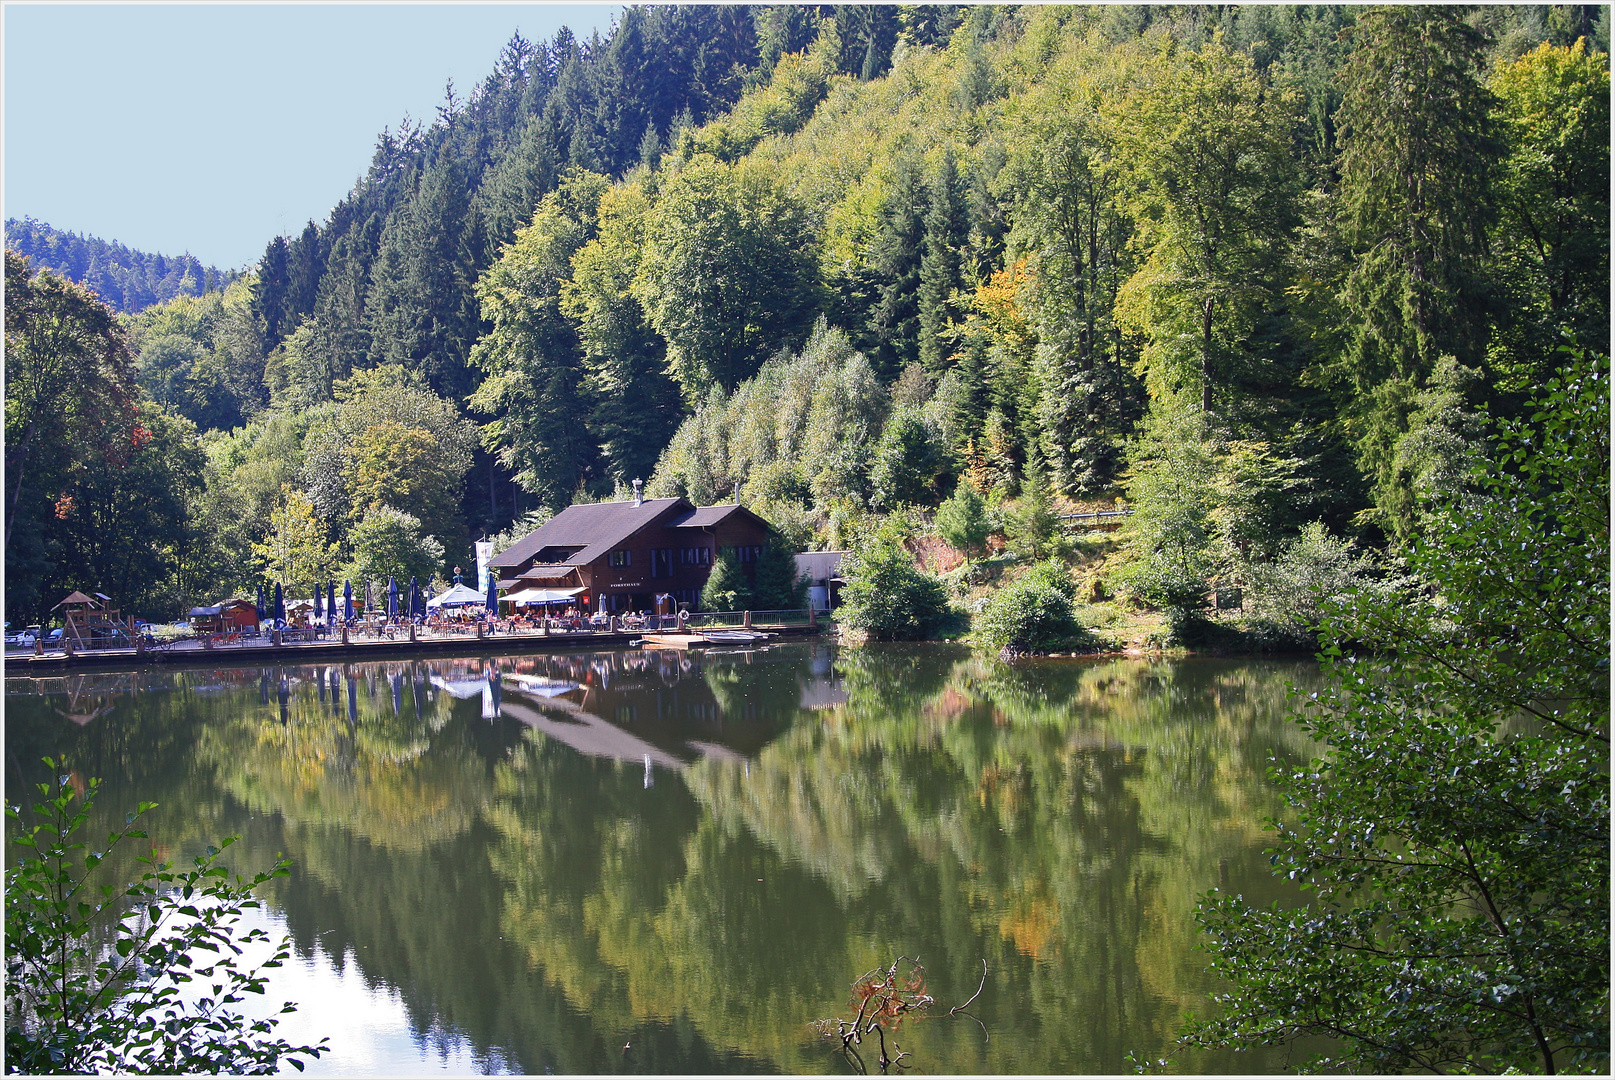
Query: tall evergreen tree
[
  {"x": 946, "y": 228},
  {"x": 1417, "y": 160}
]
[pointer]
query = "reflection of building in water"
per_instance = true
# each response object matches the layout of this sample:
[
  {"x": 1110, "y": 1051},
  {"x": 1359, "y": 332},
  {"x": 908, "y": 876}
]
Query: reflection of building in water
[{"x": 674, "y": 707}]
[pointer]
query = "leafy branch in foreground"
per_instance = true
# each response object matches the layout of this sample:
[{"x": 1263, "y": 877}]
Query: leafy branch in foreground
[
  {"x": 1455, "y": 835},
  {"x": 138, "y": 979},
  {"x": 884, "y": 999}
]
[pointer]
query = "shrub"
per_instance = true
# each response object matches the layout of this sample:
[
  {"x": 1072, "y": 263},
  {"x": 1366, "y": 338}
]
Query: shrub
[
  {"x": 887, "y": 596},
  {"x": 1289, "y": 593},
  {"x": 1034, "y": 613},
  {"x": 97, "y": 980}
]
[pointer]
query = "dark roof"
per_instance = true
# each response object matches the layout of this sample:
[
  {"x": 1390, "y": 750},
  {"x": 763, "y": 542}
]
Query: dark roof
[
  {"x": 707, "y": 516},
  {"x": 704, "y": 515},
  {"x": 595, "y": 527}
]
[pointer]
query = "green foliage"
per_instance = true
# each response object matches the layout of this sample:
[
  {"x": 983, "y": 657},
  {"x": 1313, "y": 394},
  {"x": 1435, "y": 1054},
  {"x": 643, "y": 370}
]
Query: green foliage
[
  {"x": 906, "y": 462},
  {"x": 534, "y": 385},
  {"x": 1203, "y": 150},
  {"x": 1553, "y": 198},
  {"x": 391, "y": 543},
  {"x": 962, "y": 520},
  {"x": 133, "y": 979},
  {"x": 727, "y": 275},
  {"x": 1171, "y": 527},
  {"x": 776, "y": 585},
  {"x": 886, "y": 596},
  {"x": 1290, "y": 592},
  {"x": 297, "y": 551},
  {"x": 1455, "y": 834},
  {"x": 1034, "y": 527},
  {"x": 1034, "y": 613},
  {"x": 727, "y": 588}
]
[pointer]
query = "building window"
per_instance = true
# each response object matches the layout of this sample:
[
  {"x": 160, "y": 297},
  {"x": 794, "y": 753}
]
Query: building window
[
  {"x": 745, "y": 553},
  {"x": 622, "y": 557},
  {"x": 697, "y": 556},
  {"x": 661, "y": 562}
]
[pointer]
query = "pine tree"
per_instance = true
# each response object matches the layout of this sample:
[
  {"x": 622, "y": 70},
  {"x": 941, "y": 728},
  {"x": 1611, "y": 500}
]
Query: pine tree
[
  {"x": 777, "y": 586},
  {"x": 727, "y": 588},
  {"x": 945, "y": 231}
]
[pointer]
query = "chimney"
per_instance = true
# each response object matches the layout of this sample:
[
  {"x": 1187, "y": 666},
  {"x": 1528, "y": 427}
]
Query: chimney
[
  {"x": 639, "y": 492},
  {"x": 737, "y": 492}
]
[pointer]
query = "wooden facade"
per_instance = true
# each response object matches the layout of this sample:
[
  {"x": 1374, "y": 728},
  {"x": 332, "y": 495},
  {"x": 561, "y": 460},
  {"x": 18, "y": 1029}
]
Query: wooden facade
[{"x": 643, "y": 555}]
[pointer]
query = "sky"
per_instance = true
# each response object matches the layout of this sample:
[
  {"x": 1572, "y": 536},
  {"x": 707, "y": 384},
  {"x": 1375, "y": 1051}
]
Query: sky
[{"x": 211, "y": 128}]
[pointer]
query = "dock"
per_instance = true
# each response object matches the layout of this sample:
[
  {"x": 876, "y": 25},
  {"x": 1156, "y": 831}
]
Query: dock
[{"x": 325, "y": 650}]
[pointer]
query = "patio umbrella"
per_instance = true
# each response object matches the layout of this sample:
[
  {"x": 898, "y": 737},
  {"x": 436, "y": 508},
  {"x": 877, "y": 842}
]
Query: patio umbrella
[
  {"x": 493, "y": 592},
  {"x": 261, "y": 612},
  {"x": 280, "y": 605},
  {"x": 347, "y": 600},
  {"x": 414, "y": 597},
  {"x": 319, "y": 603},
  {"x": 330, "y": 606},
  {"x": 392, "y": 598}
]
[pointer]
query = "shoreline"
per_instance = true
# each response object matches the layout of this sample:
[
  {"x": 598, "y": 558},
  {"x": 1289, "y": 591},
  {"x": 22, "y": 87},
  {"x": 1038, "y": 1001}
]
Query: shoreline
[{"x": 19, "y": 663}]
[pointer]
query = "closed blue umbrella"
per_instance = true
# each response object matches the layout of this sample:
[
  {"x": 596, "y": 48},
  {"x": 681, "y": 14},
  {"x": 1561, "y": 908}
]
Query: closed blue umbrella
[
  {"x": 280, "y": 605},
  {"x": 347, "y": 600},
  {"x": 493, "y": 592},
  {"x": 330, "y": 597},
  {"x": 261, "y": 611},
  {"x": 319, "y": 604},
  {"x": 392, "y": 598}
]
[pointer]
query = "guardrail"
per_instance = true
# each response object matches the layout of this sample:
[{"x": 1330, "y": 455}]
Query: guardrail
[
  {"x": 1097, "y": 516},
  {"x": 783, "y": 617}
]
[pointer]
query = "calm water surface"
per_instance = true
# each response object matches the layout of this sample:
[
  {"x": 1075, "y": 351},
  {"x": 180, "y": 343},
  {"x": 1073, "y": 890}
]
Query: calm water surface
[{"x": 527, "y": 864}]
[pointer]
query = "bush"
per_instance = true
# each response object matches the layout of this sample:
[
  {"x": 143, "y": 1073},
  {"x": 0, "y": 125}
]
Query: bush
[
  {"x": 1035, "y": 613},
  {"x": 1288, "y": 594},
  {"x": 91, "y": 990},
  {"x": 887, "y": 596}
]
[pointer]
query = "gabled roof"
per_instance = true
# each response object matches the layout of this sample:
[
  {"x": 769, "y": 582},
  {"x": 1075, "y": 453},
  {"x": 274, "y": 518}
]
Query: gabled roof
[
  {"x": 707, "y": 516},
  {"x": 595, "y": 527}
]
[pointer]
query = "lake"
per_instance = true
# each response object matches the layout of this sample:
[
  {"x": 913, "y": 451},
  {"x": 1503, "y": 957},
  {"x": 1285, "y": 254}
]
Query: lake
[{"x": 632, "y": 862}]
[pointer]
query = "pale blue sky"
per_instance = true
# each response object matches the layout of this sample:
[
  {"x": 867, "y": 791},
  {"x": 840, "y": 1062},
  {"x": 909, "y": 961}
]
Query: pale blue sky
[{"x": 210, "y": 128}]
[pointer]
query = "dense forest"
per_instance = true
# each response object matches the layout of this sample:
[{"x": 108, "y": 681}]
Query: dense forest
[
  {"x": 1268, "y": 274},
  {"x": 126, "y": 280}
]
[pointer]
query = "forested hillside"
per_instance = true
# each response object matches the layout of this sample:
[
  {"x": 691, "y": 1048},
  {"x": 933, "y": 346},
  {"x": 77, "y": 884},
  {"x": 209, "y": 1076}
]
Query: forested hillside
[
  {"x": 128, "y": 280},
  {"x": 1252, "y": 269}
]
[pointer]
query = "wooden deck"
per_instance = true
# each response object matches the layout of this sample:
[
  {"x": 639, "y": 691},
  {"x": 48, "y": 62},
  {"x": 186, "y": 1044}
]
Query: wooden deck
[{"x": 253, "y": 650}]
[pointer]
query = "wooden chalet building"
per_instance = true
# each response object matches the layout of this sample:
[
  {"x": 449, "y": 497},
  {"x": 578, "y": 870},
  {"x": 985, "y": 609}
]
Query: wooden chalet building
[{"x": 644, "y": 555}]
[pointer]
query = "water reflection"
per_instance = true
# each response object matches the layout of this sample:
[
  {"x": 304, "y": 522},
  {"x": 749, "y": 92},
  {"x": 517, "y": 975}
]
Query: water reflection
[{"x": 547, "y": 858}]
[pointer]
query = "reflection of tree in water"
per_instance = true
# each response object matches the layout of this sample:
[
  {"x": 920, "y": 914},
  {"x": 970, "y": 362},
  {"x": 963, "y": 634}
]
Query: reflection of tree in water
[
  {"x": 1056, "y": 820},
  {"x": 1065, "y": 817}
]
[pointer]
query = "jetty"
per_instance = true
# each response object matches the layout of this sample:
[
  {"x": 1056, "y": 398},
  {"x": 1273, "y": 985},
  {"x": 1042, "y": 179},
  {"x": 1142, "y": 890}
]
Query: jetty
[{"x": 394, "y": 641}]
